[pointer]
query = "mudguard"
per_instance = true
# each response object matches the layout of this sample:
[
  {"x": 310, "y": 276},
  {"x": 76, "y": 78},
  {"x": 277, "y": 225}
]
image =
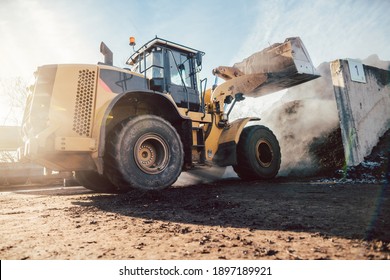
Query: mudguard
[{"x": 226, "y": 154}]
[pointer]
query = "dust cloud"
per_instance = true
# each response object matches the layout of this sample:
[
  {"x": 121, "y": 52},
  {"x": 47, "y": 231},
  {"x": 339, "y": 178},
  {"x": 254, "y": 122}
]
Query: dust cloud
[
  {"x": 307, "y": 112},
  {"x": 301, "y": 116},
  {"x": 203, "y": 174}
]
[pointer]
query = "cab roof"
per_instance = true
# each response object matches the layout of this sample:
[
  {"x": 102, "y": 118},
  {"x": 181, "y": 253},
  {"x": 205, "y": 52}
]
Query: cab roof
[{"x": 162, "y": 43}]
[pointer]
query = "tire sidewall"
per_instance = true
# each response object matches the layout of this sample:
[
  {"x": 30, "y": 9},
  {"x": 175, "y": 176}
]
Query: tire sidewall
[
  {"x": 129, "y": 169},
  {"x": 260, "y": 133}
]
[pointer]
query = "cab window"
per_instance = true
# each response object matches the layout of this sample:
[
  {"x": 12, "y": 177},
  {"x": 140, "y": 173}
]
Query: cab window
[
  {"x": 179, "y": 69},
  {"x": 153, "y": 64}
]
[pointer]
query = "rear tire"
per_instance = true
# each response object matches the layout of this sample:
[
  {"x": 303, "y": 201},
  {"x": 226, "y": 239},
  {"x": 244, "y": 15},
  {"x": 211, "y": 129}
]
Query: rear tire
[
  {"x": 94, "y": 181},
  {"x": 258, "y": 154},
  {"x": 144, "y": 152}
]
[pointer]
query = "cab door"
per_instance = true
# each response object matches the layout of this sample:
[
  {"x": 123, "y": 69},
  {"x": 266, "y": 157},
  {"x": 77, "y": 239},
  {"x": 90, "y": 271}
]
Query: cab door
[{"x": 181, "y": 80}]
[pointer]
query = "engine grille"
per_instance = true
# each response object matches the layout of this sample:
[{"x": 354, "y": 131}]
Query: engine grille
[{"x": 82, "y": 119}]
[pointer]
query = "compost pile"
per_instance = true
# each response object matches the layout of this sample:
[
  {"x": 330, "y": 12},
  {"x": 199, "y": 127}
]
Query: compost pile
[
  {"x": 327, "y": 152},
  {"x": 375, "y": 167}
]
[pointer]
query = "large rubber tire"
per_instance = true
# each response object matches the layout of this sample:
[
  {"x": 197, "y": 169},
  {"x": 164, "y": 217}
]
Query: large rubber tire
[
  {"x": 144, "y": 152},
  {"x": 94, "y": 181},
  {"x": 258, "y": 154}
]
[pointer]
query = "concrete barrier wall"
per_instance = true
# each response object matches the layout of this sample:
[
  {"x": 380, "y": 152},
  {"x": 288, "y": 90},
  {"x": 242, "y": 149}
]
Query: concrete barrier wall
[{"x": 363, "y": 100}]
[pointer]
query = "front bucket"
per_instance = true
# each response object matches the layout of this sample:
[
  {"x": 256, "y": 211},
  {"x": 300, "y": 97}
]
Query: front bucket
[{"x": 285, "y": 65}]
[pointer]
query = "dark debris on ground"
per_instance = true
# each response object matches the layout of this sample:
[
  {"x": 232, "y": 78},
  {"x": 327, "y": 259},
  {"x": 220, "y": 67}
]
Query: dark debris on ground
[{"x": 330, "y": 156}]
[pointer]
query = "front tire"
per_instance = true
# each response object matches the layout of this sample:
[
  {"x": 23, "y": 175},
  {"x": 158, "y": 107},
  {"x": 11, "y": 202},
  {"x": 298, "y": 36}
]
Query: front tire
[
  {"x": 144, "y": 152},
  {"x": 258, "y": 154}
]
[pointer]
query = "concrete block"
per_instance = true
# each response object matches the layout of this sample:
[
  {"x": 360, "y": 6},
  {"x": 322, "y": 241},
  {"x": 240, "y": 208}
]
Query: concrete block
[{"x": 363, "y": 105}]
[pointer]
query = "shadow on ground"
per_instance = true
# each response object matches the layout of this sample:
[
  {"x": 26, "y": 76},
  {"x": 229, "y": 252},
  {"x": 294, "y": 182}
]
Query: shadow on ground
[{"x": 350, "y": 211}]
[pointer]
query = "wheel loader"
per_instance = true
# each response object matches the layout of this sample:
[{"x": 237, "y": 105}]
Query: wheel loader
[{"x": 141, "y": 126}]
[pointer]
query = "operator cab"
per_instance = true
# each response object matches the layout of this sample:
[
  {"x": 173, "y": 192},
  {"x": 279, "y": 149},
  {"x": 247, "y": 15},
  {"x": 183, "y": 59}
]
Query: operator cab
[{"x": 171, "y": 68}]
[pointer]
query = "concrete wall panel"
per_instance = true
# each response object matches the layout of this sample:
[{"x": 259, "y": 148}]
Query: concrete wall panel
[{"x": 364, "y": 107}]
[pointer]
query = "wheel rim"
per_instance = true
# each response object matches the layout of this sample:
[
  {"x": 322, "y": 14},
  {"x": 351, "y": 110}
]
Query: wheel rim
[
  {"x": 151, "y": 153},
  {"x": 264, "y": 153}
]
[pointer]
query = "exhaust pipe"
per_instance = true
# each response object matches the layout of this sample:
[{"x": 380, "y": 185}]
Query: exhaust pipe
[{"x": 108, "y": 56}]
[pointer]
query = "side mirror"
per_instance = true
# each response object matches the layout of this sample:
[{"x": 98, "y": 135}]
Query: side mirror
[{"x": 199, "y": 59}]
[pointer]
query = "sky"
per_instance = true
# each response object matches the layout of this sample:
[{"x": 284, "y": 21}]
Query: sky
[{"x": 38, "y": 32}]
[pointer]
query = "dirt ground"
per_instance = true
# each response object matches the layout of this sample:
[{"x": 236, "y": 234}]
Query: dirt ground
[{"x": 226, "y": 219}]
